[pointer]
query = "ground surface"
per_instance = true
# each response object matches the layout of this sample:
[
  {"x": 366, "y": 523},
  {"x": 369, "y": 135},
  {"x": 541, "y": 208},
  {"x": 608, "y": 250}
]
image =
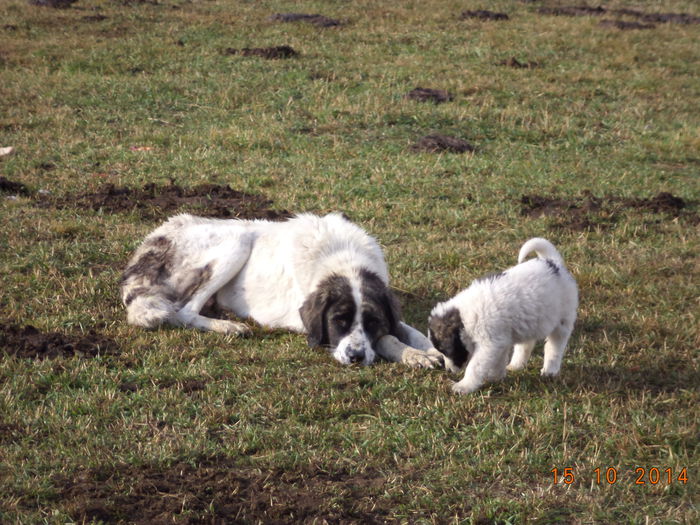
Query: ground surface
[{"x": 453, "y": 133}]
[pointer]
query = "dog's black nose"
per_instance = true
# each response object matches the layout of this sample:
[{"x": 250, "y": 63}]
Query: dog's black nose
[{"x": 356, "y": 356}]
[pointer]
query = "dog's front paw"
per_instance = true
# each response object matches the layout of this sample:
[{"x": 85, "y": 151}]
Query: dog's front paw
[
  {"x": 420, "y": 359},
  {"x": 464, "y": 388},
  {"x": 231, "y": 328}
]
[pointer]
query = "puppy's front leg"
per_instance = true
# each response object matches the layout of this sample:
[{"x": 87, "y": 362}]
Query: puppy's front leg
[
  {"x": 487, "y": 364},
  {"x": 391, "y": 349}
]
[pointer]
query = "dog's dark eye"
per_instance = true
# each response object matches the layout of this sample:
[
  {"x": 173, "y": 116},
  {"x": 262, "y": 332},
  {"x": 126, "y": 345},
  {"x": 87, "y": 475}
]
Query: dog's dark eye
[
  {"x": 342, "y": 321},
  {"x": 370, "y": 322}
]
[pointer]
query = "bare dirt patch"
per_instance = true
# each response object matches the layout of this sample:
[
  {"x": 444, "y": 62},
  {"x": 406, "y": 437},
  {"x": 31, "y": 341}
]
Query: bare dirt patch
[
  {"x": 650, "y": 18},
  {"x": 442, "y": 143},
  {"x": 515, "y": 63},
  {"x": 429, "y": 95},
  {"x": 317, "y": 20},
  {"x": 15, "y": 188},
  {"x": 58, "y": 4},
  {"x": 623, "y": 25},
  {"x": 589, "y": 212},
  {"x": 264, "y": 52},
  {"x": 154, "y": 201},
  {"x": 29, "y": 342},
  {"x": 219, "y": 491},
  {"x": 483, "y": 14}
]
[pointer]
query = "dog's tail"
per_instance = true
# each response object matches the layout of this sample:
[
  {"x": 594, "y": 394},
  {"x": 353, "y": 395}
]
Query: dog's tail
[
  {"x": 148, "y": 310},
  {"x": 543, "y": 248}
]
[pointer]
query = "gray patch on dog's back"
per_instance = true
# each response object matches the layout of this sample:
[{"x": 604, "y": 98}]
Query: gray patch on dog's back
[
  {"x": 154, "y": 265},
  {"x": 552, "y": 266},
  {"x": 193, "y": 282}
]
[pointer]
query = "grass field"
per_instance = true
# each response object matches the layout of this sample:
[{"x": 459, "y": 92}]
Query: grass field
[{"x": 594, "y": 144}]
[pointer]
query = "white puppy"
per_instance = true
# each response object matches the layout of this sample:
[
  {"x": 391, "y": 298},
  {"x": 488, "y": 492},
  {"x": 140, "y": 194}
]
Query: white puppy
[{"x": 479, "y": 327}]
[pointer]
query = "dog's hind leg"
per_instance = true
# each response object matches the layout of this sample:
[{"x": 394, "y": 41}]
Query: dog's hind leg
[
  {"x": 554, "y": 349},
  {"x": 521, "y": 355},
  {"x": 217, "y": 267}
]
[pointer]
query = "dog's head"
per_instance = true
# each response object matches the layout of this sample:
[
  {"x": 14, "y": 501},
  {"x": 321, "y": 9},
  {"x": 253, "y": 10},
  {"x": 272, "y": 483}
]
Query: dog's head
[
  {"x": 350, "y": 314},
  {"x": 446, "y": 332}
]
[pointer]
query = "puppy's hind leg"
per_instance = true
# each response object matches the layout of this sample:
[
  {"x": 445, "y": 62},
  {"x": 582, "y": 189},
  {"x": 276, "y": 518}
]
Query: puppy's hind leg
[
  {"x": 521, "y": 355},
  {"x": 217, "y": 267},
  {"x": 554, "y": 349}
]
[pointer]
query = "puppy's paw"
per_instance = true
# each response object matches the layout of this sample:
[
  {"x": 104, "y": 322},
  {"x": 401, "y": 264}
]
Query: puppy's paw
[
  {"x": 420, "y": 359},
  {"x": 464, "y": 388},
  {"x": 514, "y": 367},
  {"x": 549, "y": 372}
]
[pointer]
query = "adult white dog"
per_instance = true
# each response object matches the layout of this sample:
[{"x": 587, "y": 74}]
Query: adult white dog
[
  {"x": 323, "y": 276},
  {"x": 479, "y": 327}
]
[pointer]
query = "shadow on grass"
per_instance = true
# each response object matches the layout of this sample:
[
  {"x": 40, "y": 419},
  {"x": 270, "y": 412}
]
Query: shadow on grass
[{"x": 667, "y": 375}]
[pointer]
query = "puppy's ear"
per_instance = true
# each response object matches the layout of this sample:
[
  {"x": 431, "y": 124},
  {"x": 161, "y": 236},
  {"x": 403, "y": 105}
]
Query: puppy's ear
[
  {"x": 313, "y": 315},
  {"x": 447, "y": 334}
]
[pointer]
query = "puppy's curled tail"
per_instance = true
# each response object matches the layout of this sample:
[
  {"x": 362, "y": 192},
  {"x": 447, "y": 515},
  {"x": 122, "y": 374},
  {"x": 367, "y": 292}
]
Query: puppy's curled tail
[
  {"x": 543, "y": 248},
  {"x": 149, "y": 311}
]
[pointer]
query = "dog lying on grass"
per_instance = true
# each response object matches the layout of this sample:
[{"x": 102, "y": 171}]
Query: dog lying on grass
[
  {"x": 322, "y": 276},
  {"x": 510, "y": 311}
]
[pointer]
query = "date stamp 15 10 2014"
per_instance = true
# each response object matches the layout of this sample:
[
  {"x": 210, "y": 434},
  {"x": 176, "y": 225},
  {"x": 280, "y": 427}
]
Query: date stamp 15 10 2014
[{"x": 609, "y": 476}]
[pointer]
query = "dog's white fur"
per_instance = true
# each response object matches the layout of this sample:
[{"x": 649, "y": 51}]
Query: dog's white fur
[
  {"x": 531, "y": 301},
  {"x": 256, "y": 269}
]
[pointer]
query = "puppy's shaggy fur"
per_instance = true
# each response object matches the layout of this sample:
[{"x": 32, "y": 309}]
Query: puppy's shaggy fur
[
  {"x": 509, "y": 311},
  {"x": 323, "y": 276}
]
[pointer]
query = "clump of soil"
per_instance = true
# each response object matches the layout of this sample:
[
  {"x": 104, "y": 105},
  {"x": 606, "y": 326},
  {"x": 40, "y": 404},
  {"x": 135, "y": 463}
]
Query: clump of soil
[
  {"x": 589, "y": 212},
  {"x": 29, "y": 342},
  {"x": 219, "y": 491},
  {"x": 94, "y": 18},
  {"x": 573, "y": 10},
  {"x": 429, "y": 95},
  {"x": 264, "y": 52},
  {"x": 58, "y": 4},
  {"x": 483, "y": 14},
  {"x": 16, "y": 188},
  {"x": 442, "y": 143},
  {"x": 155, "y": 201},
  {"x": 651, "y": 18},
  {"x": 317, "y": 20},
  {"x": 621, "y": 24},
  {"x": 514, "y": 62}
]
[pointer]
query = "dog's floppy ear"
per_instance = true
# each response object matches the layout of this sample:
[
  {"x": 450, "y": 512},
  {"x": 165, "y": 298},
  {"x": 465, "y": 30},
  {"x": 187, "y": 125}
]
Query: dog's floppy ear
[
  {"x": 447, "y": 333},
  {"x": 313, "y": 315},
  {"x": 375, "y": 290}
]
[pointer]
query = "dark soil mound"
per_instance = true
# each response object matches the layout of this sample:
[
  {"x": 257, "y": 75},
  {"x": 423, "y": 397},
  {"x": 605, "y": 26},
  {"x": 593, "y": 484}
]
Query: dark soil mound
[
  {"x": 573, "y": 10},
  {"x": 28, "y": 342},
  {"x": 621, "y": 24},
  {"x": 442, "y": 143},
  {"x": 264, "y": 52},
  {"x": 483, "y": 14},
  {"x": 429, "y": 95},
  {"x": 651, "y": 18},
  {"x": 219, "y": 491},
  {"x": 317, "y": 20},
  {"x": 8, "y": 186},
  {"x": 514, "y": 62},
  {"x": 589, "y": 212},
  {"x": 155, "y": 202},
  {"x": 58, "y": 4}
]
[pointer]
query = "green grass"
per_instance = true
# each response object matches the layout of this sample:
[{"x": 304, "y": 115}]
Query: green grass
[{"x": 611, "y": 112}]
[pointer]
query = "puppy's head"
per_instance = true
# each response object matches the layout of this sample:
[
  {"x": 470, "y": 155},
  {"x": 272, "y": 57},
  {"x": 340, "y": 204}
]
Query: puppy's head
[
  {"x": 350, "y": 314},
  {"x": 446, "y": 332}
]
